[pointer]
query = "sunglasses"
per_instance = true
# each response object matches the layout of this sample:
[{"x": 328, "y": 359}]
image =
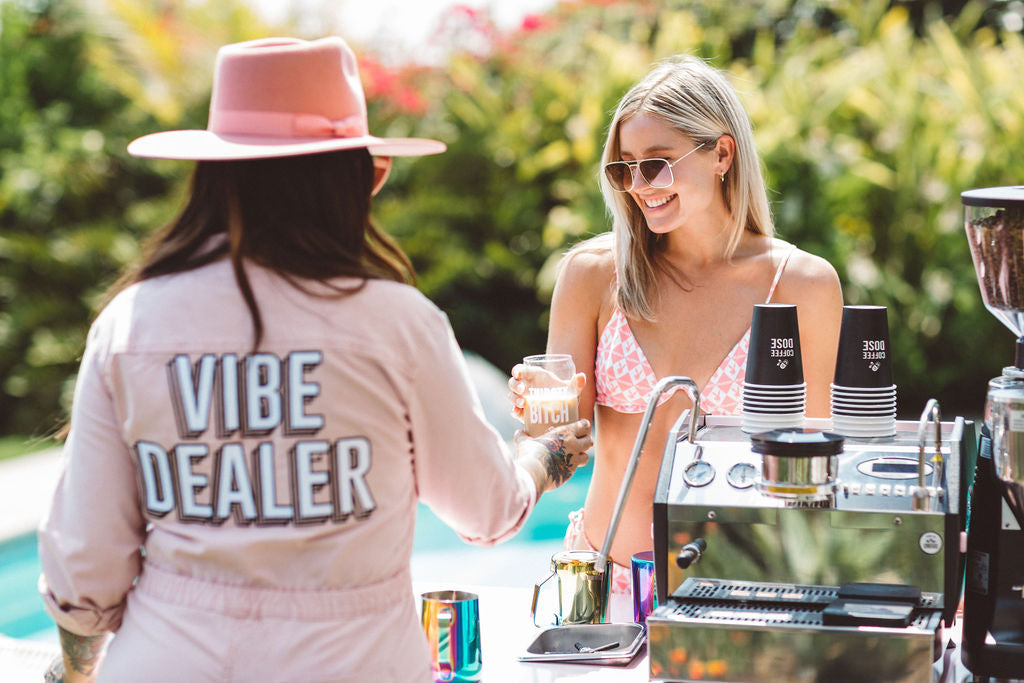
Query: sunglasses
[{"x": 656, "y": 172}]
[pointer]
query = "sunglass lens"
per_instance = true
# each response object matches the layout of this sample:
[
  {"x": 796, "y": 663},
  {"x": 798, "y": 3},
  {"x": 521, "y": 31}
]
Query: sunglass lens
[
  {"x": 618, "y": 175},
  {"x": 656, "y": 172}
]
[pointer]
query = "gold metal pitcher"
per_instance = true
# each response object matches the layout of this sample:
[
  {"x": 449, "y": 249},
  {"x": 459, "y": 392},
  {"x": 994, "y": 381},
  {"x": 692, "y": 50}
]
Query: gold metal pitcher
[{"x": 583, "y": 588}]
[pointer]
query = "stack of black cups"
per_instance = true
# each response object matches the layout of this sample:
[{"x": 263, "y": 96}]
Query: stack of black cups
[
  {"x": 774, "y": 390},
  {"x": 863, "y": 393}
]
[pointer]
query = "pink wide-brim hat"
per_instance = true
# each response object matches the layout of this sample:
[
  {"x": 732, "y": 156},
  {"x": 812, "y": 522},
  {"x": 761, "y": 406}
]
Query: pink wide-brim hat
[{"x": 280, "y": 97}]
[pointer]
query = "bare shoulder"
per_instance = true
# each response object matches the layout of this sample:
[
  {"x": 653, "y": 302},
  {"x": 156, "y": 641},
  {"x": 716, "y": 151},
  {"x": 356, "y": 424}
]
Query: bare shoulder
[
  {"x": 808, "y": 274},
  {"x": 589, "y": 267},
  {"x": 584, "y": 290}
]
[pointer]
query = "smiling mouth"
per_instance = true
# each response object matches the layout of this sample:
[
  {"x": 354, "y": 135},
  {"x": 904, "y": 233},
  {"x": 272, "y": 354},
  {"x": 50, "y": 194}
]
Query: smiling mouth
[{"x": 660, "y": 201}]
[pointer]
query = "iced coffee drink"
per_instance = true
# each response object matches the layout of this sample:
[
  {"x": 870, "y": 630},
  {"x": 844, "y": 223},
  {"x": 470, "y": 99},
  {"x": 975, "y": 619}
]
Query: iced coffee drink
[
  {"x": 548, "y": 407},
  {"x": 550, "y": 399}
]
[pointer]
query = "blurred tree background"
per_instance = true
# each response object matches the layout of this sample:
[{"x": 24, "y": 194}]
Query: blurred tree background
[{"x": 871, "y": 117}]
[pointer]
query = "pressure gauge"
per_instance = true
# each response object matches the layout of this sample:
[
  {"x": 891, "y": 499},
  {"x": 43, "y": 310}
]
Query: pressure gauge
[
  {"x": 742, "y": 475},
  {"x": 698, "y": 473}
]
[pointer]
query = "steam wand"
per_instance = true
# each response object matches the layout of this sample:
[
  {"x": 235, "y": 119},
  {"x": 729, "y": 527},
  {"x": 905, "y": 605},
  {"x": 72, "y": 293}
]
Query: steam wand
[
  {"x": 641, "y": 436},
  {"x": 922, "y": 499}
]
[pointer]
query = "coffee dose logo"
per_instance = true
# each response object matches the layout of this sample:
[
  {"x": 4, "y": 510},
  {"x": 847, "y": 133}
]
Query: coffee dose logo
[
  {"x": 873, "y": 351},
  {"x": 782, "y": 350}
]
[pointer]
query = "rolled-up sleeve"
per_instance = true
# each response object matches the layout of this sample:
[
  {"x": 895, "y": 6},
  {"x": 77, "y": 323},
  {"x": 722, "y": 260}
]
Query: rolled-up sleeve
[
  {"x": 90, "y": 538},
  {"x": 464, "y": 470}
]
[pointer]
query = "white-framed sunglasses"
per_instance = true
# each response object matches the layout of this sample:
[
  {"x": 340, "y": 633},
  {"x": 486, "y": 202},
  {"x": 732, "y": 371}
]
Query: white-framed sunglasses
[{"x": 621, "y": 175}]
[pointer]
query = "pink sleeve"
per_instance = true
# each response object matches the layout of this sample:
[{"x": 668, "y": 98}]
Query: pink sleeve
[
  {"x": 89, "y": 540},
  {"x": 464, "y": 470}
]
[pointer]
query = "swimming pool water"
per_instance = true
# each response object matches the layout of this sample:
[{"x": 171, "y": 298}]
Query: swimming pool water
[
  {"x": 438, "y": 553},
  {"x": 21, "y": 612}
]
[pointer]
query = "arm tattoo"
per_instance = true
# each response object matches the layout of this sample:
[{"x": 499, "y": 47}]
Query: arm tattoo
[
  {"x": 557, "y": 466},
  {"x": 55, "y": 672},
  {"x": 81, "y": 653}
]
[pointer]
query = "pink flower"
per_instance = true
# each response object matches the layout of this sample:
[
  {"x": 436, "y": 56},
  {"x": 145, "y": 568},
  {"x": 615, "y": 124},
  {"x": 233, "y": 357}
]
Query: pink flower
[{"x": 532, "y": 22}]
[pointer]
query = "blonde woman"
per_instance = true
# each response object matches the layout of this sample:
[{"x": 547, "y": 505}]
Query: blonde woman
[{"x": 670, "y": 290}]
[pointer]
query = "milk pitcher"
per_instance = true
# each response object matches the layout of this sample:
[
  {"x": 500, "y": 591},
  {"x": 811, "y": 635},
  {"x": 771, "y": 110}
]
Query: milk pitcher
[{"x": 583, "y": 592}]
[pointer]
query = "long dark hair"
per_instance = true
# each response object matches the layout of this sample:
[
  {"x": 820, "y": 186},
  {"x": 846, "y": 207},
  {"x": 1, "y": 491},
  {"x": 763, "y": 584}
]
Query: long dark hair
[{"x": 305, "y": 217}]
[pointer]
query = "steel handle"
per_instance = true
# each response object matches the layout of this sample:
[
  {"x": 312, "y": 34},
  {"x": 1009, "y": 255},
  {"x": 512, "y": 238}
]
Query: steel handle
[
  {"x": 931, "y": 412},
  {"x": 536, "y": 595},
  {"x": 641, "y": 436}
]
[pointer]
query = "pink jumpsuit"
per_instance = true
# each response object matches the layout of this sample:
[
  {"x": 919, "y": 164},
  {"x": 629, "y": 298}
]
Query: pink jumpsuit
[{"x": 248, "y": 516}]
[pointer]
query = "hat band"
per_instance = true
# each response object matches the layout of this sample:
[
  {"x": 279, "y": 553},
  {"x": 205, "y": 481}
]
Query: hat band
[{"x": 285, "y": 124}]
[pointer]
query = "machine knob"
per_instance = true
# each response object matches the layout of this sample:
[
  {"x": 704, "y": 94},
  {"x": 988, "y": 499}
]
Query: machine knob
[{"x": 691, "y": 552}]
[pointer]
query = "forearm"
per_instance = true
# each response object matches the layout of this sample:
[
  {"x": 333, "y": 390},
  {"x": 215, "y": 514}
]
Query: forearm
[
  {"x": 547, "y": 461},
  {"x": 81, "y": 656}
]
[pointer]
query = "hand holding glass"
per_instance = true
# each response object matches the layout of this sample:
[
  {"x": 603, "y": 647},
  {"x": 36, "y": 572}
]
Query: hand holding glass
[{"x": 551, "y": 398}]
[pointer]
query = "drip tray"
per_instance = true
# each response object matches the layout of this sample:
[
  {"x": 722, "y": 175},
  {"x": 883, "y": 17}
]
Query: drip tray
[
  {"x": 795, "y": 593},
  {"x": 753, "y": 631},
  {"x": 590, "y": 643}
]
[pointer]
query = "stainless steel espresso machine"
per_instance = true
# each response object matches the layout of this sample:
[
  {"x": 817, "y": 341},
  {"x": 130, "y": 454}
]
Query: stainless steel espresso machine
[
  {"x": 993, "y": 623},
  {"x": 801, "y": 555}
]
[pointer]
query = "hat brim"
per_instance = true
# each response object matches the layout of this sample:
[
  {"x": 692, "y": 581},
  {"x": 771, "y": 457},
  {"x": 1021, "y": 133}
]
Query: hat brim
[{"x": 204, "y": 145}]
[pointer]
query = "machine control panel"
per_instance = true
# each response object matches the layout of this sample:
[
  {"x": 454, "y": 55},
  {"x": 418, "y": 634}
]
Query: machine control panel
[{"x": 872, "y": 475}]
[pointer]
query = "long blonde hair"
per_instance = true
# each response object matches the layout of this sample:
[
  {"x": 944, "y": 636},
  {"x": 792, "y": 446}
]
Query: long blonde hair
[{"x": 695, "y": 99}]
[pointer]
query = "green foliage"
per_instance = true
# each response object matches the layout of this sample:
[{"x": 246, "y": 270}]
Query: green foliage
[
  {"x": 871, "y": 118},
  {"x": 73, "y": 204}
]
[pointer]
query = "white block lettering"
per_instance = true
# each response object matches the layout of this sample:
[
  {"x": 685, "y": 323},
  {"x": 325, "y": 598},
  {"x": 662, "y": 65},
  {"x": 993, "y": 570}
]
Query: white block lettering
[
  {"x": 157, "y": 484},
  {"x": 233, "y": 484},
  {"x": 299, "y": 391},
  {"x": 189, "y": 483},
  {"x": 192, "y": 393},
  {"x": 269, "y": 509},
  {"x": 352, "y": 463},
  {"x": 262, "y": 393},
  {"x": 229, "y": 417},
  {"x": 307, "y": 480}
]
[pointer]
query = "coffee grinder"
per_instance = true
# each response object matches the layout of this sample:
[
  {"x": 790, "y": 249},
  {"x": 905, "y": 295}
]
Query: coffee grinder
[{"x": 993, "y": 624}]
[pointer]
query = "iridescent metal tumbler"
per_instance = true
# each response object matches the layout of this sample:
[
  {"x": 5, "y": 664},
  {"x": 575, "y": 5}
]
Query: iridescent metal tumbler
[
  {"x": 451, "y": 620},
  {"x": 645, "y": 596}
]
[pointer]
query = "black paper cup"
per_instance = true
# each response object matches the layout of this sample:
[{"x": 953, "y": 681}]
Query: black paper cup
[
  {"x": 870, "y": 391},
  {"x": 857, "y": 410},
  {"x": 752, "y": 424},
  {"x": 794, "y": 402},
  {"x": 787, "y": 410},
  {"x": 853, "y": 392},
  {"x": 863, "y": 401},
  {"x": 864, "y": 358},
  {"x": 882, "y": 412},
  {"x": 773, "y": 358},
  {"x": 883, "y": 427},
  {"x": 770, "y": 394}
]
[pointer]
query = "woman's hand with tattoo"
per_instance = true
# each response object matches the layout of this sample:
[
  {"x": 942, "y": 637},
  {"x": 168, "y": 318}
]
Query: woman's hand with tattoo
[{"x": 552, "y": 457}]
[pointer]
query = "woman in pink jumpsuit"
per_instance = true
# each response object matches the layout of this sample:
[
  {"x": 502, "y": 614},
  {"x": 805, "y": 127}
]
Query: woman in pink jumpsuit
[{"x": 261, "y": 406}]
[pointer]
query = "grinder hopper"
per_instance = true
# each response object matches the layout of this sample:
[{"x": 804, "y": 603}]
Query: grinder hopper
[
  {"x": 993, "y": 627},
  {"x": 994, "y": 221}
]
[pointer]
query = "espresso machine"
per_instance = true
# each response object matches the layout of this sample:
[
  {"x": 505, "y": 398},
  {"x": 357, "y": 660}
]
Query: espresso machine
[
  {"x": 993, "y": 621},
  {"x": 802, "y": 555}
]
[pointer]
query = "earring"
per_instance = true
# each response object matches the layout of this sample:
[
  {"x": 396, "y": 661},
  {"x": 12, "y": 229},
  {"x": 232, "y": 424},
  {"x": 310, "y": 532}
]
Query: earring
[{"x": 722, "y": 177}]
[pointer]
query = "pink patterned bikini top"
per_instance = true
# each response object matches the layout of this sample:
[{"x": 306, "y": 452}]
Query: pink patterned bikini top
[{"x": 624, "y": 379}]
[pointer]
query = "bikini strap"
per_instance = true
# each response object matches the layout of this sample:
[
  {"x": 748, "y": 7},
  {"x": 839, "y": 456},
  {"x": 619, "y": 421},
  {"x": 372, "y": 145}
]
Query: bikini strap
[{"x": 778, "y": 273}]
